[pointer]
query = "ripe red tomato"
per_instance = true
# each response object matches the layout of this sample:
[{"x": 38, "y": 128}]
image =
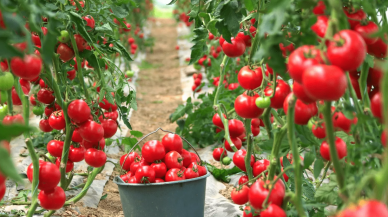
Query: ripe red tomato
[
  {"x": 89, "y": 21},
  {"x": 259, "y": 192},
  {"x": 259, "y": 167},
  {"x": 44, "y": 126},
  {"x": 201, "y": 169},
  {"x": 28, "y": 68},
  {"x": 239, "y": 159},
  {"x": 173, "y": 160},
  {"x": 77, "y": 154},
  {"x": 343, "y": 123},
  {"x": 324, "y": 82},
  {"x": 273, "y": 210},
  {"x": 49, "y": 175},
  {"x": 42, "y": 84},
  {"x": 80, "y": 41},
  {"x": 69, "y": 164},
  {"x": 302, "y": 58},
  {"x": 301, "y": 94},
  {"x": 55, "y": 148},
  {"x": 25, "y": 83},
  {"x": 366, "y": 30},
  {"x": 303, "y": 112},
  {"x": 240, "y": 195},
  {"x": 376, "y": 105},
  {"x": 186, "y": 158},
  {"x": 111, "y": 115},
  {"x": 375, "y": 76},
  {"x": 211, "y": 36},
  {"x": 78, "y": 111},
  {"x": 110, "y": 127},
  {"x": 15, "y": 97},
  {"x": 145, "y": 174},
  {"x": 65, "y": 52},
  {"x": 129, "y": 159},
  {"x": 355, "y": 16},
  {"x": 57, "y": 120},
  {"x": 174, "y": 175},
  {"x": 133, "y": 180},
  {"x": 340, "y": 146},
  {"x": 97, "y": 145},
  {"x": 45, "y": 96},
  {"x": 246, "y": 38},
  {"x": 378, "y": 49},
  {"x": 250, "y": 79},
  {"x": 76, "y": 137},
  {"x": 319, "y": 131},
  {"x": 384, "y": 138},
  {"x": 5, "y": 144},
  {"x": 32, "y": 100},
  {"x": 245, "y": 106},
  {"x": 191, "y": 173},
  {"x": 91, "y": 131},
  {"x": 49, "y": 110},
  {"x": 320, "y": 26},
  {"x": 95, "y": 158},
  {"x": 236, "y": 128},
  {"x": 16, "y": 119},
  {"x": 153, "y": 151},
  {"x": 347, "y": 51},
  {"x": 320, "y": 8},
  {"x": 235, "y": 49},
  {"x": 252, "y": 213},
  {"x": 195, "y": 158},
  {"x": 104, "y": 104},
  {"x": 172, "y": 142},
  {"x": 52, "y": 199},
  {"x": 160, "y": 169},
  {"x": 217, "y": 121},
  {"x": 236, "y": 141},
  {"x": 218, "y": 152},
  {"x": 71, "y": 74},
  {"x": 243, "y": 180},
  {"x": 281, "y": 92},
  {"x": 3, "y": 188}
]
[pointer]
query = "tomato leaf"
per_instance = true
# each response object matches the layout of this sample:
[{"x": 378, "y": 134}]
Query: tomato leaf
[
  {"x": 318, "y": 166},
  {"x": 49, "y": 41},
  {"x": 136, "y": 134},
  {"x": 7, "y": 50},
  {"x": 119, "y": 11},
  {"x": 222, "y": 174},
  {"x": 104, "y": 29},
  {"x": 249, "y": 5},
  {"x": 103, "y": 197},
  {"x": 9, "y": 131},
  {"x": 308, "y": 159},
  {"x": 7, "y": 167},
  {"x": 199, "y": 48},
  {"x": 124, "y": 51},
  {"x": 172, "y": 2},
  {"x": 328, "y": 192}
]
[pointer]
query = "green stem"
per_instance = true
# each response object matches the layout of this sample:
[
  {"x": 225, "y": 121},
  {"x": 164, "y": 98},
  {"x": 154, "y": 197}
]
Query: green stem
[
  {"x": 363, "y": 85},
  {"x": 35, "y": 179},
  {"x": 225, "y": 122},
  {"x": 256, "y": 40},
  {"x": 247, "y": 123},
  {"x": 221, "y": 81},
  {"x": 267, "y": 122},
  {"x": 276, "y": 116},
  {"x": 333, "y": 151},
  {"x": 324, "y": 174},
  {"x": 9, "y": 102},
  {"x": 275, "y": 151}
]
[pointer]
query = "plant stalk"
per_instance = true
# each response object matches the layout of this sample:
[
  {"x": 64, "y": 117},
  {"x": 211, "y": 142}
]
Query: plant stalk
[{"x": 247, "y": 123}]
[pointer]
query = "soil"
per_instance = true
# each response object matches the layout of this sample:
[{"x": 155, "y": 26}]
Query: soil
[
  {"x": 227, "y": 191},
  {"x": 158, "y": 95}
]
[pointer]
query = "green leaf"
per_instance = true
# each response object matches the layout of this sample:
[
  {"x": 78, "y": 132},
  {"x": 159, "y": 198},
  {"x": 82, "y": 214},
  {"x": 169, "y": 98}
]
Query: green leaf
[
  {"x": 222, "y": 174},
  {"x": 8, "y": 51},
  {"x": 104, "y": 197},
  {"x": 9, "y": 131},
  {"x": 179, "y": 112},
  {"x": 272, "y": 22},
  {"x": 172, "y": 2},
  {"x": 49, "y": 41},
  {"x": 231, "y": 17},
  {"x": 249, "y": 5},
  {"x": 104, "y": 29},
  {"x": 318, "y": 166},
  {"x": 124, "y": 51},
  {"x": 129, "y": 143},
  {"x": 200, "y": 47},
  {"x": 308, "y": 159},
  {"x": 7, "y": 167},
  {"x": 136, "y": 134},
  {"x": 77, "y": 19},
  {"x": 328, "y": 193},
  {"x": 119, "y": 12}
]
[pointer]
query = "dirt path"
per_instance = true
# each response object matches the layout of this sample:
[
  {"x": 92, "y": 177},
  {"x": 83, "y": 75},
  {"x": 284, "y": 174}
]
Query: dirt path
[{"x": 158, "y": 95}]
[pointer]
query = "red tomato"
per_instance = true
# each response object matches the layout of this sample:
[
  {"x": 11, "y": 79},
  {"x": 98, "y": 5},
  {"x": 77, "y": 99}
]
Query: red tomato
[
  {"x": 195, "y": 158},
  {"x": 173, "y": 160},
  {"x": 15, "y": 97},
  {"x": 376, "y": 105},
  {"x": 32, "y": 100},
  {"x": 245, "y": 106},
  {"x": 217, "y": 121},
  {"x": 110, "y": 127},
  {"x": 89, "y": 21},
  {"x": 104, "y": 104},
  {"x": 191, "y": 173},
  {"x": 384, "y": 138},
  {"x": 77, "y": 154},
  {"x": 16, "y": 119},
  {"x": 347, "y": 51},
  {"x": 95, "y": 158},
  {"x": 303, "y": 112},
  {"x": 5, "y": 144},
  {"x": 340, "y": 146},
  {"x": 52, "y": 199},
  {"x": 247, "y": 209},
  {"x": 235, "y": 49},
  {"x": 250, "y": 79},
  {"x": 343, "y": 123},
  {"x": 145, "y": 174},
  {"x": 273, "y": 210},
  {"x": 233, "y": 86},
  {"x": 302, "y": 58},
  {"x": 132, "y": 180},
  {"x": 80, "y": 41},
  {"x": 201, "y": 169},
  {"x": 91, "y": 131},
  {"x": 355, "y": 16},
  {"x": 28, "y": 68},
  {"x": 79, "y": 111},
  {"x": 320, "y": 26},
  {"x": 69, "y": 164},
  {"x": 45, "y": 96},
  {"x": 76, "y": 137},
  {"x": 25, "y": 83},
  {"x": 127, "y": 159},
  {"x": 44, "y": 126},
  {"x": 57, "y": 120},
  {"x": 246, "y": 38},
  {"x": 319, "y": 131},
  {"x": 301, "y": 94},
  {"x": 375, "y": 76},
  {"x": 236, "y": 128},
  {"x": 65, "y": 52},
  {"x": 259, "y": 192},
  {"x": 239, "y": 159},
  {"x": 186, "y": 158},
  {"x": 49, "y": 175},
  {"x": 3, "y": 188},
  {"x": 366, "y": 30},
  {"x": 111, "y": 115},
  {"x": 236, "y": 141},
  {"x": 240, "y": 195},
  {"x": 324, "y": 82},
  {"x": 55, "y": 148},
  {"x": 218, "y": 152},
  {"x": 378, "y": 49},
  {"x": 320, "y": 8},
  {"x": 211, "y": 36},
  {"x": 243, "y": 180},
  {"x": 281, "y": 92},
  {"x": 175, "y": 175},
  {"x": 260, "y": 166},
  {"x": 172, "y": 142},
  {"x": 97, "y": 145},
  {"x": 160, "y": 169},
  {"x": 42, "y": 84},
  {"x": 153, "y": 151}
]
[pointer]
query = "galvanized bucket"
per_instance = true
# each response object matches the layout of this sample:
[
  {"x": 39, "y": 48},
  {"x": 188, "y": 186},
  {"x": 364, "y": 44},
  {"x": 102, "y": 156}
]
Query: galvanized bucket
[{"x": 184, "y": 198}]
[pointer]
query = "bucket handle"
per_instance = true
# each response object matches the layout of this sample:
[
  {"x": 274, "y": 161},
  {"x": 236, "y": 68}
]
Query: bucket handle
[{"x": 153, "y": 133}]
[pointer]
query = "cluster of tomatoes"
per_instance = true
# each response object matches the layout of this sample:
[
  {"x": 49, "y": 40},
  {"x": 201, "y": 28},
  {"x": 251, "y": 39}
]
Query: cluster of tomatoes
[
  {"x": 164, "y": 161},
  {"x": 197, "y": 82},
  {"x": 184, "y": 18}
]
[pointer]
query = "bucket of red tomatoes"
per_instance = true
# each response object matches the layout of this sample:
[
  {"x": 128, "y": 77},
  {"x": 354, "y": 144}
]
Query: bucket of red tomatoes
[{"x": 164, "y": 180}]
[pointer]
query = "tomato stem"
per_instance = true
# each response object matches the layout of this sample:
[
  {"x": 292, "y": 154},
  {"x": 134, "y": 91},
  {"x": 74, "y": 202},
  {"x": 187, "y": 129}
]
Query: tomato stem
[
  {"x": 256, "y": 40},
  {"x": 275, "y": 151},
  {"x": 221, "y": 81},
  {"x": 247, "y": 124},
  {"x": 226, "y": 128},
  {"x": 324, "y": 174},
  {"x": 267, "y": 122},
  {"x": 9, "y": 101},
  {"x": 276, "y": 116}
]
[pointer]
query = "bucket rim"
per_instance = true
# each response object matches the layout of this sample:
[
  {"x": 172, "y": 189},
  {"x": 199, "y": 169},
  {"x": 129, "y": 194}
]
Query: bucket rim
[{"x": 119, "y": 181}]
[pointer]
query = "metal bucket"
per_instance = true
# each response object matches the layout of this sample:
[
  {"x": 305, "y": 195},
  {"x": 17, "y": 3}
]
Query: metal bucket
[{"x": 184, "y": 198}]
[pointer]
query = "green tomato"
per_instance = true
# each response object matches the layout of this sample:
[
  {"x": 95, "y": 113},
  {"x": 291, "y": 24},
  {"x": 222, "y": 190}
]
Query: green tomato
[
  {"x": 197, "y": 66},
  {"x": 64, "y": 37},
  {"x": 263, "y": 102},
  {"x": 129, "y": 74},
  {"x": 37, "y": 110},
  {"x": 3, "y": 97},
  {"x": 3, "y": 111},
  {"x": 6, "y": 81},
  {"x": 310, "y": 124},
  {"x": 226, "y": 160}
]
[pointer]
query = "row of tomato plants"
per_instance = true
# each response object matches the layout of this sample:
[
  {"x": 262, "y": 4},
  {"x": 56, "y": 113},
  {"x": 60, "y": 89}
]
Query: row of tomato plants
[
  {"x": 65, "y": 58},
  {"x": 314, "y": 71}
]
